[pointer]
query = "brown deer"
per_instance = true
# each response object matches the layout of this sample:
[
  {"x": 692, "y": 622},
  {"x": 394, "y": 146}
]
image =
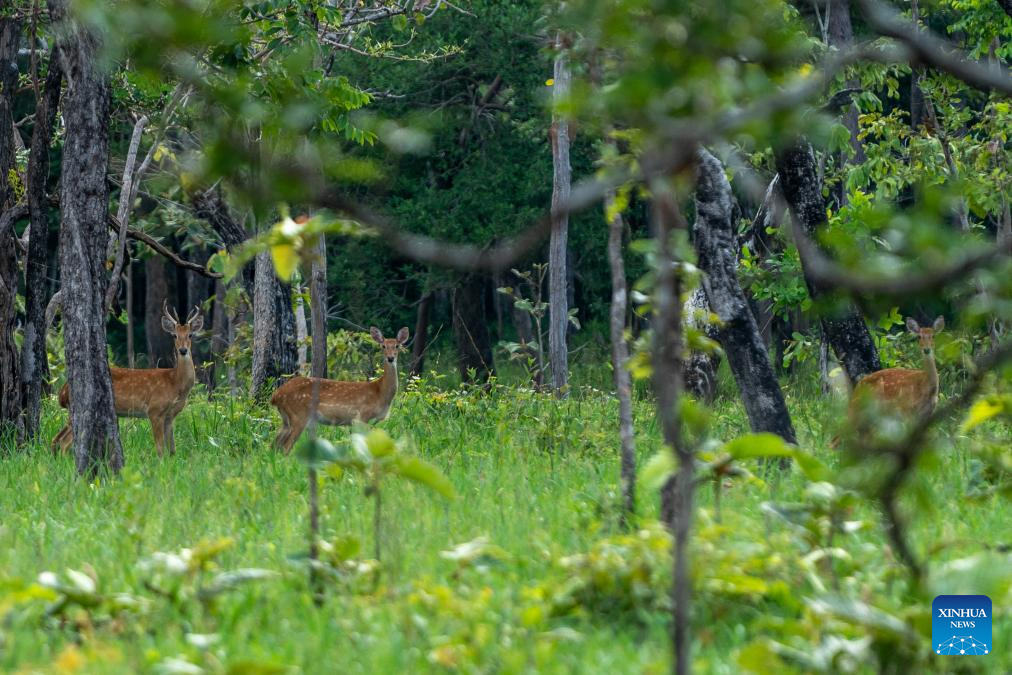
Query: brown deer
[
  {"x": 156, "y": 393},
  {"x": 339, "y": 403},
  {"x": 903, "y": 391}
]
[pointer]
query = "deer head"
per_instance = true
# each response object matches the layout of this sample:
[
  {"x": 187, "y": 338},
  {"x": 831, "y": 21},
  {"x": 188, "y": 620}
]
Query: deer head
[
  {"x": 926, "y": 335},
  {"x": 182, "y": 332},
  {"x": 390, "y": 346}
]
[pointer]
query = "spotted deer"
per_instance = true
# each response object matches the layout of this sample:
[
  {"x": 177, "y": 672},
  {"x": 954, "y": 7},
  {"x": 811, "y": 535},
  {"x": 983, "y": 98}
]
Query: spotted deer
[
  {"x": 903, "y": 391},
  {"x": 156, "y": 393},
  {"x": 339, "y": 403}
]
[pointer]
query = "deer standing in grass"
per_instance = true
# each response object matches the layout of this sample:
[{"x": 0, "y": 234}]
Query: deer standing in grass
[
  {"x": 339, "y": 403},
  {"x": 156, "y": 393},
  {"x": 905, "y": 391}
]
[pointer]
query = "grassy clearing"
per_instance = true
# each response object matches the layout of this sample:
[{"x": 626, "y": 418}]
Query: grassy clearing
[{"x": 536, "y": 477}]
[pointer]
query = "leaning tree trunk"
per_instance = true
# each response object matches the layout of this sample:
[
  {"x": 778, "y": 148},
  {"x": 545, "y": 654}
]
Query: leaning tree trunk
[
  {"x": 34, "y": 366},
  {"x": 318, "y": 308},
  {"x": 558, "y": 298},
  {"x": 620, "y": 360},
  {"x": 474, "y": 347},
  {"x": 738, "y": 334},
  {"x": 10, "y": 398},
  {"x": 84, "y": 203},
  {"x": 844, "y": 328}
]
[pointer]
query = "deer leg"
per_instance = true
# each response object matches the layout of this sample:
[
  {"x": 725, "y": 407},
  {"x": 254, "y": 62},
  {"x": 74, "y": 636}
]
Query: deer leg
[
  {"x": 158, "y": 431},
  {"x": 298, "y": 424},
  {"x": 170, "y": 435},
  {"x": 57, "y": 442},
  {"x": 286, "y": 429}
]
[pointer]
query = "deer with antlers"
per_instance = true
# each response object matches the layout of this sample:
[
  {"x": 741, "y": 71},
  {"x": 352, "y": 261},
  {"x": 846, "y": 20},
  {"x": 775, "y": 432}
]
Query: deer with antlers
[
  {"x": 905, "y": 391},
  {"x": 156, "y": 393},
  {"x": 338, "y": 403}
]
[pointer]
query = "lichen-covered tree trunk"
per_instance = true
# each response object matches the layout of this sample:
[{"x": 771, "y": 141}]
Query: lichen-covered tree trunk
[
  {"x": 700, "y": 368},
  {"x": 274, "y": 351},
  {"x": 474, "y": 347},
  {"x": 34, "y": 366},
  {"x": 84, "y": 203},
  {"x": 10, "y": 395},
  {"x": 738, "y": 334},
  {"x": 558, "y": 297},
  {"x": 844, "y": 328}
]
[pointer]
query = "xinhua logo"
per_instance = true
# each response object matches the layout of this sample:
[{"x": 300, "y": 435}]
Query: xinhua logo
[{"x": 961, "y": 625}]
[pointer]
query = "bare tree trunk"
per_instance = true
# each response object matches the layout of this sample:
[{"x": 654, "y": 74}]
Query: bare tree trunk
[
  {"x": 84, "y": 203},
  {"x": 841, "y": 36},
  {"x": 845, "y": 329},
  {"x": 421, "y": 334},
  {"x": 274, "y": 352},
  {"x": 318, "y": 308},
  {"x": 619, "y": 361},
  {"x": 301, "y": 332},
  {"x": 677, "y": 496},
  {"x": 219, "y": 332},
  {"x": 34, "y": 365},
  {"x": 558, "y": 310},
  {"x": 474, "y": 348},
  {"x": 738, "y": 334},
  {"x": 700, "y": 369},
  {"x": 156, "y": 293},
  {"x": 10, "y": 378},
  {"x": 131, "y": 351}
]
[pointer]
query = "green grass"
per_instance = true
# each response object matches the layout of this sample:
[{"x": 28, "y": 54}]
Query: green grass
[{"x": 537, "y": 477}]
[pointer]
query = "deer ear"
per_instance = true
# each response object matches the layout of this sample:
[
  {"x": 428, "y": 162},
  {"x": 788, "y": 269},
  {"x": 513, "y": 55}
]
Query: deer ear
[
  {"x": 939, "y": 324},
  {"x": 403, "y": 335},
  {"x": 376, "y": 334},
  {"x": 913, "y": 326},
  {"x": 168, "y": 325},
  {"x": 196, "y": 323}
]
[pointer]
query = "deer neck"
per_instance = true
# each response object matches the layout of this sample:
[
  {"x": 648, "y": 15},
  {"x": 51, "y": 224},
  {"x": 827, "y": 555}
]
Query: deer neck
[
  {"x": 184, "y": 374},
  {"x": 931, "y": 369},
  {"x": 388, "y": 383}
]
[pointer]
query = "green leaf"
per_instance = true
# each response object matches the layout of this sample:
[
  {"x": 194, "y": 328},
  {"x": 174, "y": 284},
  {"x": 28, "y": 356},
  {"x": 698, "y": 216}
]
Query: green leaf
[
  {"x": 316, "y": 453},
  {"x": 285, "y": 260},
  {"x": 400, "y": 22},
  {"x": 982, "y": 411},
  {"x": 658, "y": 469},
  {"x": 419, "y": 471},
  {"x": 379, "y": 443},
  {"x": 758, "y": 445}
]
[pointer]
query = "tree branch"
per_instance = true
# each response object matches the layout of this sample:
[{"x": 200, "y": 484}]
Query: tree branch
[
  {"x": 160, "y": 248},
  {"x": 934, "y": 51}
]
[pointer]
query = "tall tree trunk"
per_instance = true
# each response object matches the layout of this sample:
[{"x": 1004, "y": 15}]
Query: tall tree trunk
[
  {"x": 558, "y": 298},
  {"x": 130, "y": 320},
  {"x": 219, "y": 332},
  {"x": 274, "y": 351},
  {"x": 34, "y": 366},
  {"x": 301, "y": 332},
  {"x": 318, "y": 308},
  {"x": 10, "y": 379},
  {"x": 700, "y": 369},
  {"x": 474, "y": 348},
  {"x": 156, "y": 294},
  {"x": 841, "y": 36},
  {"x": 84, "y": 204},
  {"x": 738, "y": 334},
  {"x": 620, "y": 360},
  {"x": 421, "y": 334},
  {"x": 677, "y": 496},
  {"x": 844, "y": 328},
  {"x": 198, "y": 290}
]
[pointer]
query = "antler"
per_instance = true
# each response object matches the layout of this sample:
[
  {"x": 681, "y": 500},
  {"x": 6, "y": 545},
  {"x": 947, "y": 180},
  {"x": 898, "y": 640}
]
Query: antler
[
  {"x": 194, "y": 314},
  {"x": 165, "y": 309}
]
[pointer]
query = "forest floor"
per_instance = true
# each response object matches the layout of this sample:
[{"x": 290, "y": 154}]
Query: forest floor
[{"x": 538, "y": 479}]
